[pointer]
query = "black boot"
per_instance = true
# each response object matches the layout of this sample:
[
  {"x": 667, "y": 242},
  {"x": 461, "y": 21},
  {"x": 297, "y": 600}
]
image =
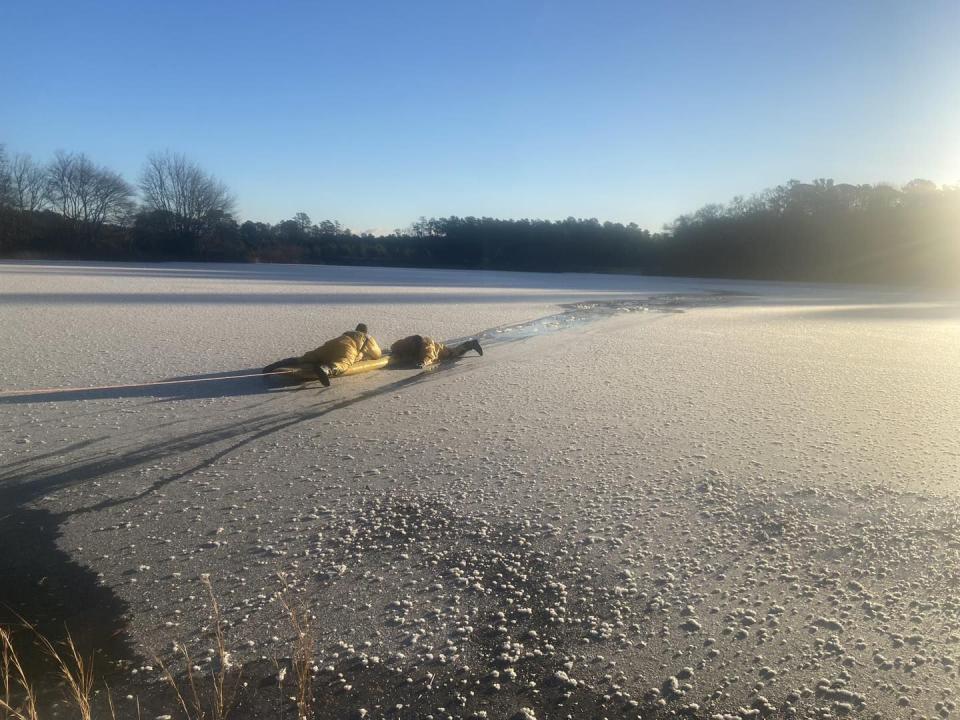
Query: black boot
[{"x": 323, "y": 374}]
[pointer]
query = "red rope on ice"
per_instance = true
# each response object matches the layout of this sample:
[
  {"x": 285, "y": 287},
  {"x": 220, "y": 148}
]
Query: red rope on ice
[{"x": 43, "y": 391}]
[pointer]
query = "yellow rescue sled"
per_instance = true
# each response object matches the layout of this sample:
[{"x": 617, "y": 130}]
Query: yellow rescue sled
[{"x": 366, "y": 366}]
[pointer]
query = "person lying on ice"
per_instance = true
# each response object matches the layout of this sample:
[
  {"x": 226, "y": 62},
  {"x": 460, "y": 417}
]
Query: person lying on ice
[
  {"x": 333, "y": 357},
  {"x": 424, "y": 351}
]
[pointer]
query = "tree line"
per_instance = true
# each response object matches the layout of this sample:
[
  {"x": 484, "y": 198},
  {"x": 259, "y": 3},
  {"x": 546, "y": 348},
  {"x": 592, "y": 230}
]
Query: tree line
[
  {"x": 825, "y": 231},
  {"x": 71, "y": 207}
]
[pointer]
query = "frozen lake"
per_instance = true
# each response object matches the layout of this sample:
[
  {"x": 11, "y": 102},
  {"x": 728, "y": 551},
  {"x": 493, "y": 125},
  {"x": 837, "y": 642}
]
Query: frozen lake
[{"x": 679, "y": 495}]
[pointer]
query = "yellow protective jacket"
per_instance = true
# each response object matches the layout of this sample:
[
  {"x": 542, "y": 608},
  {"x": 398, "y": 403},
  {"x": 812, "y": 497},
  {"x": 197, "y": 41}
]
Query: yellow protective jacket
[
  {"x": 342, "y": 352},
  {"x": 418, "y": 349}
]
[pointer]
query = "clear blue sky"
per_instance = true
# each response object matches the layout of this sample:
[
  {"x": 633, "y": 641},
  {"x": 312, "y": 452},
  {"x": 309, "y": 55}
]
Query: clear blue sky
[{"x": 374, "y": 113}]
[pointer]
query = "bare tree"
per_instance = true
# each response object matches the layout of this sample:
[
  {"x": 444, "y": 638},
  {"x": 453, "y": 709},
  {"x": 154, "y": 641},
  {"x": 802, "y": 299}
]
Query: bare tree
[
  {"x": 6, "y": 196},
  {"x": 172, "y": 183},
  {"x": 88, "y": 195},
  {"x": 28, "y": 181}
]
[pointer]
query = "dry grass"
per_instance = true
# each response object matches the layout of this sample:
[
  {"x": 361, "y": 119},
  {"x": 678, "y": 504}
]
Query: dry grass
[
  {"x": 74, "y": 669},
  {"x": 302, "y": 657},
  {"x": 211, "y": 695},
  {"x": 223, "y": 681},
  {"x": 14, "y": 677}
]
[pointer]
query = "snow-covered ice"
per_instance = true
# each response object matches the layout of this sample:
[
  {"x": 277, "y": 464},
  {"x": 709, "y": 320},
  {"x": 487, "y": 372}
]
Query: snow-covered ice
[{"x": 715, "y": 498}]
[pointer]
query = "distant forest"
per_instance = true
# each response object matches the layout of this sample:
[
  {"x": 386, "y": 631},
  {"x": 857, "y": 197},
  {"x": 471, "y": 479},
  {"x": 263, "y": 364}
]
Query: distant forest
[{"x": 72, "y": 208}]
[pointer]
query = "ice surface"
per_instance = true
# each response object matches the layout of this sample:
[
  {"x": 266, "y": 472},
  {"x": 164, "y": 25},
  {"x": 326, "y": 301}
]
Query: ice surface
[{"x": 744, "y": 507}]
